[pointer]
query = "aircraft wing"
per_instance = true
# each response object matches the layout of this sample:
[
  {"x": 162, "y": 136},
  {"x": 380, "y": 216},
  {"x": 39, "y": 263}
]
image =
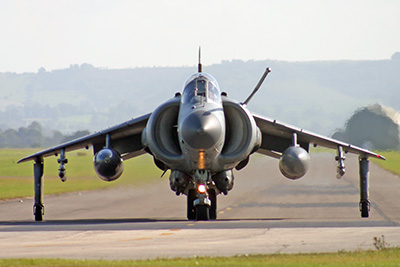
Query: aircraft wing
[
  {"x": 125, "y": 138},
  {"x": 277, "y": 136}
]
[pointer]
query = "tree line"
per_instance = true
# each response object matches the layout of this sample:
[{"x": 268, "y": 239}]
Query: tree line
[{"x": 33, "y": 136}]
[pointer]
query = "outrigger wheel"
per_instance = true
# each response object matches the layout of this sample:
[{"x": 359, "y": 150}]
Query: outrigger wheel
[
  {"x": 364, "y": 208},
  {"x": 38, "y": 211}
]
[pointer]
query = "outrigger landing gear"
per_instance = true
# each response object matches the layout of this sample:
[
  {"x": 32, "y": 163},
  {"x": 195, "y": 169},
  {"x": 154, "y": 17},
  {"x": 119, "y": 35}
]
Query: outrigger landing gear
[
  {"x": 38, "y": 207},
  {"x": 364, "y": 187}
]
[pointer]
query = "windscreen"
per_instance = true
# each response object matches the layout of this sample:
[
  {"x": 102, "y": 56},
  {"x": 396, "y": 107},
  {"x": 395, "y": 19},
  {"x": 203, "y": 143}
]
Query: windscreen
[{"x": 201, "y": 86}]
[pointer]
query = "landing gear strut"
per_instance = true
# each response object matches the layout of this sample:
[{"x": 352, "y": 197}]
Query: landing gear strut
[
  {"x": 364, "y": 187},
  {"x": 38, "y": 207}
]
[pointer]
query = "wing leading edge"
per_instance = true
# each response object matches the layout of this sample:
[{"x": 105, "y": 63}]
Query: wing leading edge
[
  {"x": 277, "y": 136},
  {"x": 125, "y": 138}
]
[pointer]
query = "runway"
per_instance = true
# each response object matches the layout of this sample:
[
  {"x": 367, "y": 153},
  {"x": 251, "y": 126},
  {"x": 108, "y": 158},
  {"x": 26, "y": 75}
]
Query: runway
[{"x": 264, "y": 213}]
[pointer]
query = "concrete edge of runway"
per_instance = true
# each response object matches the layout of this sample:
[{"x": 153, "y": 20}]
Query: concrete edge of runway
[{"x": 172, "y": 243}]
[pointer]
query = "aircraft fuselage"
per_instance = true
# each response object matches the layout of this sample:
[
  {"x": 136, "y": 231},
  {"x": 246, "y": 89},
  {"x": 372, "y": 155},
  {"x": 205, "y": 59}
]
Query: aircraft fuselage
[{"x": 201, "y": 123}]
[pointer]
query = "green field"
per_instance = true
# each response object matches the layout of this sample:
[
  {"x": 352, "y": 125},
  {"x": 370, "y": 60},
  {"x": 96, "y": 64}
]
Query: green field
[
  {"x": 392, "y": 162},
  {"x": 16, "y": 180},
  {"x": 386, "y": 257}
]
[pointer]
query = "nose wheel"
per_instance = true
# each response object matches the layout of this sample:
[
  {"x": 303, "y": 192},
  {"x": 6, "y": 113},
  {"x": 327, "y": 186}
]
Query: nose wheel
[{"x": 201, "y": 212}]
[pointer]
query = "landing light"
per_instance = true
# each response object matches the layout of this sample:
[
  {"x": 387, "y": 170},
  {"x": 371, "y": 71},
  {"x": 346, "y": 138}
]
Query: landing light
[{"x": 201, "y": 188}]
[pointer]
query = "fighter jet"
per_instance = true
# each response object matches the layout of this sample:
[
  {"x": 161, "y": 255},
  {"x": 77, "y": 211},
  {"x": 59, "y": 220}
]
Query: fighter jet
[{"x": 202, "y": 136}]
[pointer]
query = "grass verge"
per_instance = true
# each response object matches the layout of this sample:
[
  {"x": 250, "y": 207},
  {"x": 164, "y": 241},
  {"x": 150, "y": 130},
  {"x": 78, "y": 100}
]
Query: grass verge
[
  {"x": 386, "y": 257},
  {"x": 392, "y": 162},
  {"x": 16, "y": 180}
]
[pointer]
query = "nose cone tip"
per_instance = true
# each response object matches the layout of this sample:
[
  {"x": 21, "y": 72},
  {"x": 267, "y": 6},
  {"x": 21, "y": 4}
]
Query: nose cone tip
[{"x": 201, "y": 130}]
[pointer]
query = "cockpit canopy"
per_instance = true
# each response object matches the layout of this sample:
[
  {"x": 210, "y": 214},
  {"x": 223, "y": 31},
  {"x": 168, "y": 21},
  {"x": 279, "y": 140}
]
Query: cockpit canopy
[{"x": 201, "y": 87}]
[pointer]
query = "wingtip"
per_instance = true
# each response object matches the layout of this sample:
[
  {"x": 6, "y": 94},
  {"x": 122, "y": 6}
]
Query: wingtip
[
  {"x": 24, "y": 160},
  {"x": 35, "y": 157},
  {"x": 380, "y": 157}
]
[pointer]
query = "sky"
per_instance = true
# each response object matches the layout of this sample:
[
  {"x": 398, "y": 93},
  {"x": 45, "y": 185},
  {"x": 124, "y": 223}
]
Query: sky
[{"x": 126, "y": 34}]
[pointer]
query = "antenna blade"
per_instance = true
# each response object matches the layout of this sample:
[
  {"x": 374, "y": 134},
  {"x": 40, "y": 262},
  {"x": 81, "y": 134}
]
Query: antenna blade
[
  {"x": 268, "y": 70},
  {"x": 200, "y": 67}
]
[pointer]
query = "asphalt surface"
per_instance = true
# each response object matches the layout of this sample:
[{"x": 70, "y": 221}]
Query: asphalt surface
[{"x": 264, "y": 213}]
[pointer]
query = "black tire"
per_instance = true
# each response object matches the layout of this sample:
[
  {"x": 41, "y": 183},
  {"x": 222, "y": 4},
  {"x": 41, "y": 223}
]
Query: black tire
[
  {"x": 213, "y": 209},
  {"x": 191, "y": 212},
  {"x": 202, "y": 213},
  {"x": 364, "y": 210},
  {"x": 38, "y": 210}
]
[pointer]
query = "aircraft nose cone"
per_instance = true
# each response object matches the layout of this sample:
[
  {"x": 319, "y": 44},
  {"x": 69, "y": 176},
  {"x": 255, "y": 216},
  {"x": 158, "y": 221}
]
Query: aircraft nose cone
[{"x": 201, "y": 130}]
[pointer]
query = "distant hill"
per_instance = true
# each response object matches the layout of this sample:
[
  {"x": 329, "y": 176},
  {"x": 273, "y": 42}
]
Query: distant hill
[{"x": 317, "y": 96}]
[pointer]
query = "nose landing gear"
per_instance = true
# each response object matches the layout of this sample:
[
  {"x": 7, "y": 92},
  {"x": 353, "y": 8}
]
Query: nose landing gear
[
  {"x": 202, "y": 197},
  {"x": 202, "y": 204}
]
